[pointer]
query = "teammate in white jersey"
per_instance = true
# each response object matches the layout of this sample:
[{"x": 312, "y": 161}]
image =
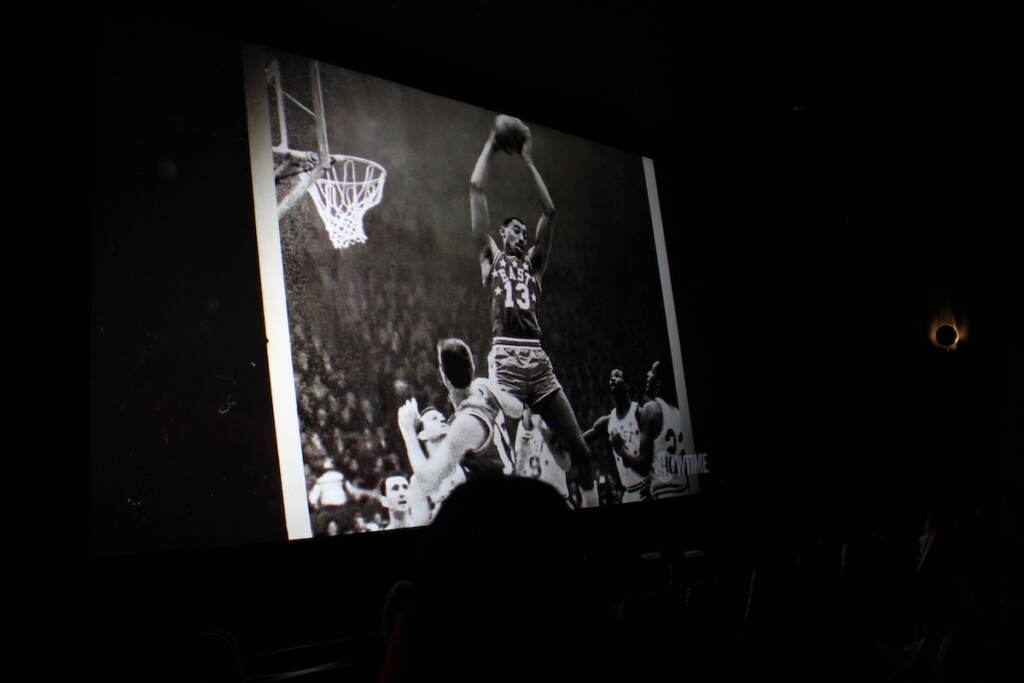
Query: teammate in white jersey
[
  {"x": 537, "y": 454},
  {"x": 623, "y": 429},
  {"x": 661, "y": 437}
]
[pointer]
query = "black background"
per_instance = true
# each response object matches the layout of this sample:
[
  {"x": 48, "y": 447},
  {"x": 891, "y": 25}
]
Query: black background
[{"x": 832, "y": 188}]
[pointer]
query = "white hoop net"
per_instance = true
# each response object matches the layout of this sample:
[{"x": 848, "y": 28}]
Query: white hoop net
[{"x": 347, "y": 190}]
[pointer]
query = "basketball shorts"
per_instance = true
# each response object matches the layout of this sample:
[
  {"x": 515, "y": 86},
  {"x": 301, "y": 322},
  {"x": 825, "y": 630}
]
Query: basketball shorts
[{"x": 522, "y": 368}]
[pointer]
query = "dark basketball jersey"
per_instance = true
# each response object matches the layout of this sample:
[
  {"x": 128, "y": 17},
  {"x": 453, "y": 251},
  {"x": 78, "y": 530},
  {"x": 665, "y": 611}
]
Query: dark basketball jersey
[
  {"x": 515, "y": 294},
  {"x": 495, "y": 455}
]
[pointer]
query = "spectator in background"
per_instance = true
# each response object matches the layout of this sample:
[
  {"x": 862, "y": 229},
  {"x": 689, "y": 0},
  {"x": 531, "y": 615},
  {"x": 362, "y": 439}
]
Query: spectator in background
[{"x": 328, "y": 499}]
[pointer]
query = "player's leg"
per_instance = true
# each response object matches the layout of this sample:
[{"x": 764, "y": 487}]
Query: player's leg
[
  {"x": 507, "y": 366},
  {"x": 556, "y": 411}
]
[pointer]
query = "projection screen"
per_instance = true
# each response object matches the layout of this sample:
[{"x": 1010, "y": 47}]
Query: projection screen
[{"x": 390, "y": 220}]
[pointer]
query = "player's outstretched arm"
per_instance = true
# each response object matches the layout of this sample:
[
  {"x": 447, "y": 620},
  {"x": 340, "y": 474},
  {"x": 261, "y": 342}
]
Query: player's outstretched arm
[
  {"x": 479, "y": 213},
  {"x": 600, "y": 427},
  {"x": 407, "y": 415},
  {"x": 467, "y": 433},
  {"x": 541, "y": 249},
  {"x": 604, "y": 459},
  {"x": 650, "y": 425}
]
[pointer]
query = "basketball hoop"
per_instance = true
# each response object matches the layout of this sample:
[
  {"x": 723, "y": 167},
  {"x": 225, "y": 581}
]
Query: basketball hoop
[
  {"x": 343, "y": 187},
  {"x": 346, "y": 191}
]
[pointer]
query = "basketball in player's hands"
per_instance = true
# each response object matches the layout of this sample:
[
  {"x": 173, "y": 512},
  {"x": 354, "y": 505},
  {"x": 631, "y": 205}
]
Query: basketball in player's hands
[{"x": 510, "y": 133}]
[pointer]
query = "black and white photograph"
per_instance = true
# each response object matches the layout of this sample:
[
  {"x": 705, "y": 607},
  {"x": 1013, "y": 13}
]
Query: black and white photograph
[{"x": 452, "y": 292}]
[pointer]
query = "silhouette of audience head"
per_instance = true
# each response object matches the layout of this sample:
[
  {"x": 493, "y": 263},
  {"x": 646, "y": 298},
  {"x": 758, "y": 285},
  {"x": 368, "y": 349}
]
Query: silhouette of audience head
[{"x": 499, "y": 593}]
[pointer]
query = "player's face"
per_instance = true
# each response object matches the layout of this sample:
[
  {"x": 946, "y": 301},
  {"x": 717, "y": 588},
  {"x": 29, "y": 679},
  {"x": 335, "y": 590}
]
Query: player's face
[
  {"x": 434, "y": 426},
  {"x": 398, "y": 493},
  {"x": 616, "y": 381},
  {"x": 515, "y": 237}
]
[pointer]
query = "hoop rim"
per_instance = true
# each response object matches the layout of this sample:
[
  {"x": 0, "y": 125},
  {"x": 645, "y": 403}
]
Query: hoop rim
[{"x": 335, "y": 158}]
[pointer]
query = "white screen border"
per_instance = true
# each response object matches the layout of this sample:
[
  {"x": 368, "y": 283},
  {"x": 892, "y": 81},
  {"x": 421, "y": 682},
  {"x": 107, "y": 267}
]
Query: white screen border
[{"x": 275, "y": 310}]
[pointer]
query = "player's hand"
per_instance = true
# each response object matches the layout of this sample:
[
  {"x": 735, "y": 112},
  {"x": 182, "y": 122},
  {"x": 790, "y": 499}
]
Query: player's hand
[
  {"x": 407, "y": 414},
  {"x": 494, "y": 145}
]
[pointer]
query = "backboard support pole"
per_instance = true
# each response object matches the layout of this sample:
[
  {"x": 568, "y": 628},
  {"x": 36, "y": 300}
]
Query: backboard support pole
[{"x": 321, "y": 118}]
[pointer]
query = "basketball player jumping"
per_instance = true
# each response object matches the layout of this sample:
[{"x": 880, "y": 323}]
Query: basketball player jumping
[
  {"x": 623, "y": 429},
  {"x": 661, "y": 437},
  {"x": 513, "y": 275},
  {"x": 475, "y": 441}
]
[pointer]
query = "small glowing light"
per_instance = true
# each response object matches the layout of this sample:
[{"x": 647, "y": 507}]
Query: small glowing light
[
  {"x": 946, "y": 335},
  {"x": 948, "y": 331}
]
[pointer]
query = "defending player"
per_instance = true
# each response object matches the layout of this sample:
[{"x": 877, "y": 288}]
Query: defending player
[
  {"x": 513, "y": 275},
  {"x": 661, "y": 437},
  {"x": 476, "y": 440},
  {"x": 623, "y": 429},
  {"x": 537, "y": 454}
]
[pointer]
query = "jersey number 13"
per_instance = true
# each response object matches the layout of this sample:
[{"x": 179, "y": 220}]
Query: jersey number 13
[{"x": 521, "y": 296}]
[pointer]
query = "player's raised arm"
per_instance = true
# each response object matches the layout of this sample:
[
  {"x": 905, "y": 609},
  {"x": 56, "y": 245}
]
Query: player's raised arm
[
  {"x": 467, "y": 433},
  {"x": 541, "y": 249},
  {"x": 407, "y": 415},
  {"x": 650, "y": 426},
  {"x": 479, "y": 214}
]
